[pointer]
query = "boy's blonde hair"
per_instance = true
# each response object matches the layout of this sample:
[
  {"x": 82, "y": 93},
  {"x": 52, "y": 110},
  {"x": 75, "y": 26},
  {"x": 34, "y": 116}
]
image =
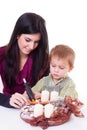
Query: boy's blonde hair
[{"x": 63, "y": 52}]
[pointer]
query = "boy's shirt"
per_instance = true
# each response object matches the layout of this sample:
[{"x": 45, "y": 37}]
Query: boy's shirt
[{"x": 65, "y": 86}]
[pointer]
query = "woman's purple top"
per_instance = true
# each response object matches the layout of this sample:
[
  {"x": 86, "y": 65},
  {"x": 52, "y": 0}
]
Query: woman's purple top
[{"x": 24, "y": 73}]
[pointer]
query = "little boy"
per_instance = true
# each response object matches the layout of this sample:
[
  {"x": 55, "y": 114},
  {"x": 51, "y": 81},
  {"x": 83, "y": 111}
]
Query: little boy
[{"x": 61, "y": 62}]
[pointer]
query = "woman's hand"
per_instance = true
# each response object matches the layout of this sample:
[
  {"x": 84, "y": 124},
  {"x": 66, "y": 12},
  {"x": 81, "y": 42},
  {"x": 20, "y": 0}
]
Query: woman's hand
[
  {"x": 36, "y": 94},
  {"x": 18, "y": 100}
]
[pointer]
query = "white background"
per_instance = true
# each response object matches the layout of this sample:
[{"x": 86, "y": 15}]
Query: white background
[{"x": 66, "y": 22}]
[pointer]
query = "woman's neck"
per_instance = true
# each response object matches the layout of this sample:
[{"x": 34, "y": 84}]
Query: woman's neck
[{"x": 23, "y": 59}]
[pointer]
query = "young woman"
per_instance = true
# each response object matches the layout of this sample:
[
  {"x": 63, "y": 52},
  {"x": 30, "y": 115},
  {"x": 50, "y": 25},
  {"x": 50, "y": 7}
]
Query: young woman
[{"x": 25, "y": 56}]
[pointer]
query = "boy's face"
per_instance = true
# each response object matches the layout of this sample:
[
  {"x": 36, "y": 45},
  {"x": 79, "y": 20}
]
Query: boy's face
[{"x": 59, "y": 67}]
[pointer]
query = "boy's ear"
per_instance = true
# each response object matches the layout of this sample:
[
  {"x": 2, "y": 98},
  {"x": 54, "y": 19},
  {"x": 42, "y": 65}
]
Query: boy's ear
[{"x": 71, "y": 68}]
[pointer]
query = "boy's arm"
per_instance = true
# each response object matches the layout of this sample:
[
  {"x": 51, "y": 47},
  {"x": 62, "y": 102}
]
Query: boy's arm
[
  {"x": 37, "y": 95},
  {"x": 39, "y": 87}
]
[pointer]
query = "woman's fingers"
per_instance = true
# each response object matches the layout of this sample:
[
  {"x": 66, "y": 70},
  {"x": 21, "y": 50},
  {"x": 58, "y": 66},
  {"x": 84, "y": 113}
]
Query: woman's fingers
[{"x": 18, "y": 100}]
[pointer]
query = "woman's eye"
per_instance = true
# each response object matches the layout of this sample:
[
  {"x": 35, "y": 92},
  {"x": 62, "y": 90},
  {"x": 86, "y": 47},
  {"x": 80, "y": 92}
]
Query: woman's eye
[
  {"x": 37, "y": 42},
  {"x": 53, "y": 66},
  {"x": 27, "y": 40}
]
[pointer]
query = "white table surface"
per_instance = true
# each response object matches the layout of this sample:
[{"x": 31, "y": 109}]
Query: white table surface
[{"x": 10, "y": 120}]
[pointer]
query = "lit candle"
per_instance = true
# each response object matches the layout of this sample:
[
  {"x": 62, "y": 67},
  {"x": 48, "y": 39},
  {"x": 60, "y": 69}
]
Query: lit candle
[
  {"x": 54, "y": 96},
  {"x": 48, "y": 110},
  {"x": 38, "y": 110},
  {"x": 44, "y": 96}
]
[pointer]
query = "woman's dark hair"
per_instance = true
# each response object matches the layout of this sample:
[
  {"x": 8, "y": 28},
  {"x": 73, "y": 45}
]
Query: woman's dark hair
[{"x": 28, "y": 23}]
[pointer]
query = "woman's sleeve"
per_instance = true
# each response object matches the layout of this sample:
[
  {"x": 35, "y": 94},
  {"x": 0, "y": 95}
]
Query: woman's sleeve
[{"x": 4, "y": 100}]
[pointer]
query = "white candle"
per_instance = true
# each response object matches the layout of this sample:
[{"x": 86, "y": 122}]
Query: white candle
[
  {"x": 38, "y": 110},
  {"x": 48, "y": 110},
  {"x": 44, "y": 96},
  {"x": 54, "y": 96}
]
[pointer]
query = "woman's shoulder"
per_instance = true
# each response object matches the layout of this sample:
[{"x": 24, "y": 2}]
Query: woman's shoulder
[{"x": 2, "y": 52}]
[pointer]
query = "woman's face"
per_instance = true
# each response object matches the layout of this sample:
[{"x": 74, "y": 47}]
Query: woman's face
[{"x": 28, "y": 42}]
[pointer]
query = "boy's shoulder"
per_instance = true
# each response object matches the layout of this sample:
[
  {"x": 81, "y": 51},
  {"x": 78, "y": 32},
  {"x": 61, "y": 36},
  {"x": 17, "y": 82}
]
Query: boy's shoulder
[
  {"x": 68, "y": 80},
  {"x": 46, "y": 77}
]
